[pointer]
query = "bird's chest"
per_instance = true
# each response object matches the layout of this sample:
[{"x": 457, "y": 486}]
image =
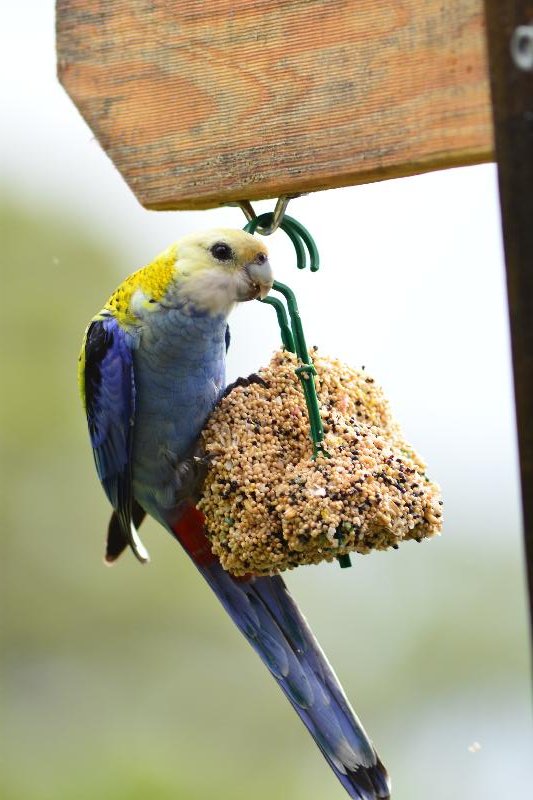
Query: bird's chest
[{"x": 179, "y": 375}]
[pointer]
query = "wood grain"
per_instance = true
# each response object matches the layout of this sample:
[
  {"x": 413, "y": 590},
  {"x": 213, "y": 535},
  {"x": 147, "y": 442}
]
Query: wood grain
[{"x": 202, "y": 103}]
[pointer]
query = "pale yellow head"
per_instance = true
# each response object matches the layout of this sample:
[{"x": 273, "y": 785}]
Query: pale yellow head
[
  {"x": 222, "y": 267},
  {"x": 212, "y": 271}
]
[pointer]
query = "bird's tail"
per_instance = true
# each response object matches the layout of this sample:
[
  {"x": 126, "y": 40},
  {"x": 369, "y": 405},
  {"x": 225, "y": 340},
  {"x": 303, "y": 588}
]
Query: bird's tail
[{"x": 264, "y": 611}]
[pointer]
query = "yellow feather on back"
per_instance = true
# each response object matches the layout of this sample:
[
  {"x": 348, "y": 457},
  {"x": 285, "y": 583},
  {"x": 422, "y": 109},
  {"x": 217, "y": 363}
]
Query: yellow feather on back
[{"x": 153, "y": 280}]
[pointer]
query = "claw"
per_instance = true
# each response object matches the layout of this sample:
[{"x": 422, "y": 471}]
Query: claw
[{"x": 253, "y": 378}]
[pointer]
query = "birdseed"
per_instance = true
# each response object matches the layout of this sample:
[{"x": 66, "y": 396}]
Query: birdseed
[{"x": 269, "y": 507}]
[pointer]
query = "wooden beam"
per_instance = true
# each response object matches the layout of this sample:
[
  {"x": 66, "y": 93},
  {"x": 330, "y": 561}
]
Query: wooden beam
[
  {"x": 512, "y": 97},
  {"x": 199, "y": 104}
]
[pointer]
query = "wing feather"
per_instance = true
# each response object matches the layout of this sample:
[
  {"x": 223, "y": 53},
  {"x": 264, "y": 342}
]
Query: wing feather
[{"x": 108, "y": 385}]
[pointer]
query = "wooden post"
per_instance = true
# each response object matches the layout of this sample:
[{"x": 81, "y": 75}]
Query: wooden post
[{"x": 511, "y": 73}]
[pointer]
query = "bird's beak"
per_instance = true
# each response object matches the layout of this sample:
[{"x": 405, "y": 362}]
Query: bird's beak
[
  {"x": 264, "y": 289},
  {"x": 260, "y": 280}
]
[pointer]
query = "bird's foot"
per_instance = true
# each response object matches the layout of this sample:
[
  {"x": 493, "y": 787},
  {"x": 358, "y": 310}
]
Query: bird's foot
[{"x": 253, "y": 378}]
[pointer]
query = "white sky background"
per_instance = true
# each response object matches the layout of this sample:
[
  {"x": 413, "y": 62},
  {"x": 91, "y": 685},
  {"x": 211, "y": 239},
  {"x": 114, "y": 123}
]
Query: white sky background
[{"x": 412, "y": 282}]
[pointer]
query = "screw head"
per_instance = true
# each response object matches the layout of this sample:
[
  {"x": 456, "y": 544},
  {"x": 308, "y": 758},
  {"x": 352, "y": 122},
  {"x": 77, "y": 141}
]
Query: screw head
[{"x": 522, "y": 47}]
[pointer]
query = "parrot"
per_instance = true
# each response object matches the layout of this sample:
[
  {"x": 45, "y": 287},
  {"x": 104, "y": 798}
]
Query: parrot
[{"x": 151, "y": 371}]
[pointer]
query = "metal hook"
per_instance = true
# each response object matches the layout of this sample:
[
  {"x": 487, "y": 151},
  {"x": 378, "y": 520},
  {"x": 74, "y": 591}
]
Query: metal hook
[
  {"x": 246, "y": 208},
  {"x": 298, "y": 236},
  {"x": 276, "y": 216}
]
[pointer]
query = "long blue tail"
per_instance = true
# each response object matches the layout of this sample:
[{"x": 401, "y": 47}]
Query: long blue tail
[{"x": 264, "y": 611}]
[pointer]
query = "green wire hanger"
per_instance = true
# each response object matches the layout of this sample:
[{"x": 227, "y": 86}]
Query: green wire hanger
[{"x": 292, "y": 333}]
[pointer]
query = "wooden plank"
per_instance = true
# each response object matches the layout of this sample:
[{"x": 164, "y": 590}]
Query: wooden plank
[
  {"x": 512, "y": 95},
  {"x": 201, "y": 103}
]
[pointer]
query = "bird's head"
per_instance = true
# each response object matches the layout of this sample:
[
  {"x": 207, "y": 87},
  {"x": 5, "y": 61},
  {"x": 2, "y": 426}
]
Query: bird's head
[
  {"x": 209, "y": 271},
  {"x": 216, "y": 269}
]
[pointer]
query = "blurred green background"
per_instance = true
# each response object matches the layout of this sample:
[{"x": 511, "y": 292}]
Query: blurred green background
[{"x": 130, "y": 683}]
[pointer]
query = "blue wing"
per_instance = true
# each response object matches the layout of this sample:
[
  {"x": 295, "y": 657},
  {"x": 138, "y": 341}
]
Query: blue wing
[{"x": 108, "y": 384}]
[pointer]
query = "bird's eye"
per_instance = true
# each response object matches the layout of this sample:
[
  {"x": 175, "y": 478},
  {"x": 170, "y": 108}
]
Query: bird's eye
[
  {"x": 261, "y": 258},
  {"x": 222, "y": 251}
]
